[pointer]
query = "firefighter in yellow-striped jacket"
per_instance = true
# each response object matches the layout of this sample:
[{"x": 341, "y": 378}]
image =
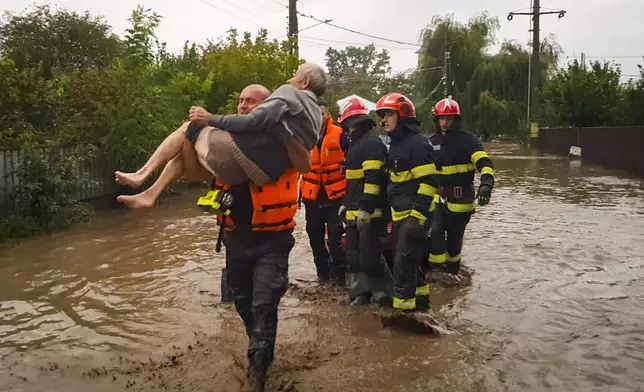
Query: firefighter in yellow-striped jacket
[
  {"x": 370, "y": 279},
  {"x": 410, "y": 192},
  {"x": 458, "y": 156}
]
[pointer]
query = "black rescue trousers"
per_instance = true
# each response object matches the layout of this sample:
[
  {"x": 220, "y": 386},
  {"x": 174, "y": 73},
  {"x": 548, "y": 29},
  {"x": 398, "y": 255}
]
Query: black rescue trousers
[
  {"x": 370, "y": 279},
  {"x": 446, "y": 243},
  {"x": 317, "y": 218},
  {"x": 411, "y": 291},
  {"x": 257, "y": 272}
]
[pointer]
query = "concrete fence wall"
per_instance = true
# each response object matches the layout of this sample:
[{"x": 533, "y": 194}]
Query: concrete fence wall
[{"x": 617, "y": 147}]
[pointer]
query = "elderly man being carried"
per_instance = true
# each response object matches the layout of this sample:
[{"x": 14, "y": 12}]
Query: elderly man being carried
[{"x": 258, "y": 147}]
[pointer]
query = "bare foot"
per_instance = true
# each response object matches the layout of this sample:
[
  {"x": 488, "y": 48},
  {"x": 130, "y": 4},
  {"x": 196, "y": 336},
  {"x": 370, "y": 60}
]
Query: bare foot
[
  {"x": 133, "y": 180},
  {"x": 137, "y": 201}
]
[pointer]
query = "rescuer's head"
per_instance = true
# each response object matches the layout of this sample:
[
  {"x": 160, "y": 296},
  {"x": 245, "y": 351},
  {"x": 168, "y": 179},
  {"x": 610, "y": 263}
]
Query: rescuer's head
[
  {"x": 250, "y": 97},
  {"x": 393, "y": 107},
  {"x": 447, "y": 114},
  {"x": 354, "y": 116}
]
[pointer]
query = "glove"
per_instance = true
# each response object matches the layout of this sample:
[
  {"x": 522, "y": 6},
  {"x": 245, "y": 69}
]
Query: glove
[
  {"x": 341, "y": 210},
  {"x": 484, "y": 194},
  {"x": 363, "y": 218}
]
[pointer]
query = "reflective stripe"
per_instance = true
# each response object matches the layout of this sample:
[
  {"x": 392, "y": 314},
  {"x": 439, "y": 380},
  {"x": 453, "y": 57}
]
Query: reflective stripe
[
  {"x": 418, "y": 215},
  {"x": 354, "y": 174},
  {"x": 427, "y": 190},
  {"x": 416, "y": 172},
  {"x": 487, "y": 170},
  {"x": 401, "y": 176},
  {"x": 436, "y": 200},
  {"x": 400, "y": 215},
  {"x": 372, "y": 164},
  {"x": 405, "y": 304},
  {"x": 424, "y": 170},
  {"x": 461, "y": 207},
  {"x": 437, "y": 259},
  {"x": 353, "y": 214},
  {"x": 454, "y": 259},
  {"x": 457, "y": 169},
  {"x": 422, "y": 290},
  {"x": 478, "y": 155},
  {"x": 371, "y": 189}
]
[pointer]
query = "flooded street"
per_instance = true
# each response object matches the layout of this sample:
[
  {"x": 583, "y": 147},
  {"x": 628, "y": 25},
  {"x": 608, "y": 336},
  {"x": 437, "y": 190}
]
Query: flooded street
[{"x": 131, "y": 301}]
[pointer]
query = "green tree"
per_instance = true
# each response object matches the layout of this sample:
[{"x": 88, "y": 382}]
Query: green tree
[
  {"x": 60, "y": 41},
  {"x": 466, "y": 43},
  {"x": 236, "y": 63},
  {"x": 28, "y": 102},
  {"x": 630, "y": 111},
  {"x": 583, "y": 97},
  {"x": 364, "y": 71}
]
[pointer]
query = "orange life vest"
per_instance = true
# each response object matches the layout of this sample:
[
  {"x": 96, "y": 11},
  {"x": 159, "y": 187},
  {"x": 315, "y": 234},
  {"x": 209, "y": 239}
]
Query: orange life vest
[
  {"x": 326, "y": 167},
  {"x": 274, "y": 204}
]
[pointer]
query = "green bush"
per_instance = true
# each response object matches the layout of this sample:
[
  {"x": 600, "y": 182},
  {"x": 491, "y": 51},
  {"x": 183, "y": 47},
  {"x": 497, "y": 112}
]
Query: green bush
[{"x": 51, "y": 179}]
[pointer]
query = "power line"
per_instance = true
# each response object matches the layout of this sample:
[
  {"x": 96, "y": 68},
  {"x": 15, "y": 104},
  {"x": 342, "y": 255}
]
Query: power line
[
  {"x": 241, "y": 9},
  {"x": 263, "y": 6},
  {"x": 228, "y": 12},
  {"x": 357, "y": 43},
  {"x": 327, "y": 22}
]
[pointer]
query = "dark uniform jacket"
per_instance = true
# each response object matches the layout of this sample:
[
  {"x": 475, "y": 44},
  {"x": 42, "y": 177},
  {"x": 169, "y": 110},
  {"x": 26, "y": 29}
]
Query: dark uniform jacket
[
  {"x": 366, "y": 178},
  {"x": 412, "y": 173},
  {"x": 458, "y": 155}
]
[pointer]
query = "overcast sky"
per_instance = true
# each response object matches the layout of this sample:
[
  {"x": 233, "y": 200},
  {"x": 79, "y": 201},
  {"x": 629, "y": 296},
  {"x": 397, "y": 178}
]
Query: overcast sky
[{"x": 601, "y": 29}]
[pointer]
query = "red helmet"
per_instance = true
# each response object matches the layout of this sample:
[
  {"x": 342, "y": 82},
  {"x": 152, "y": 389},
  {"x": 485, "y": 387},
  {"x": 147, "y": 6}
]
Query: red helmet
[
  {"x": 352, "y": 107},
  {"x": 446, "y": 107},
  {"x": 396, "y": 102}
]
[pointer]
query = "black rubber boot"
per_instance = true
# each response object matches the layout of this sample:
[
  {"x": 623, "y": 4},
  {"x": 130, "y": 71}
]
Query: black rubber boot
[
  {"x": 453, "y": 267},
  {"x": 361, "y": 300},
  {"x": 422, "y": 304},
  {"x": 226, "y": 292},
  {"x": 338, "y": 274}
]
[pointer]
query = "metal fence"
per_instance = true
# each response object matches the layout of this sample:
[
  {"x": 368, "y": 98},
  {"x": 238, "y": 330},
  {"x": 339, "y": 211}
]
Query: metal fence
[{"x": 100, "y": 176}]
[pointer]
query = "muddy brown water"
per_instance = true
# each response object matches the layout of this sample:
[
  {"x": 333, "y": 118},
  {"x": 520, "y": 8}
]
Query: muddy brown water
[{"x": 131, "y": 301}]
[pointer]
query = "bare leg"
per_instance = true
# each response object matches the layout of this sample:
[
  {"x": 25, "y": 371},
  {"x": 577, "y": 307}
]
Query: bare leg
[
  {"x": 168, "y": 149},
  {"x": 186, "y": 164},
  {"x": 146, "y": 199},
  {"x": 202, "y": 147}
]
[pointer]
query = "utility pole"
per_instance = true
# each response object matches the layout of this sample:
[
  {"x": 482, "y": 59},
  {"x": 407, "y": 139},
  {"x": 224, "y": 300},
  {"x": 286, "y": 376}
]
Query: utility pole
[
  {"x": 535, "y": 61},
  {"x": 583, "y": 61},
  {"x": 292, "y": 22},
  {"x": 446, "y": 76}
]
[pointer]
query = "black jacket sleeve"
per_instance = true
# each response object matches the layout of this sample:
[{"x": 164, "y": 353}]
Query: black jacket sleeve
[
  {"x": 260, "y": 119},
  {"x": 373, "y": 156},
  {"x": 345, "y": 142},
  {"x": 424, "y": 170},
  {"x": 481, "y": 161}
]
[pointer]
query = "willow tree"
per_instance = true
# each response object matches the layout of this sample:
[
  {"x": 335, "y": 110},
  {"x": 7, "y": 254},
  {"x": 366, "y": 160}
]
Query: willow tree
[
  {"x": 466, "y": 42},
  {"x": 506, "y": 76}
]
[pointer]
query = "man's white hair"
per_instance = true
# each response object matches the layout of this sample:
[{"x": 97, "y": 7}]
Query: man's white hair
[{"x": 317, "y": 76}]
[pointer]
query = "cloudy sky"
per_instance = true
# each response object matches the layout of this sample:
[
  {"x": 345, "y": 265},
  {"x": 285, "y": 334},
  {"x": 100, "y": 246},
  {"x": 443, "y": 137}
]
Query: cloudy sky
[{"x": 601, "y": 29}]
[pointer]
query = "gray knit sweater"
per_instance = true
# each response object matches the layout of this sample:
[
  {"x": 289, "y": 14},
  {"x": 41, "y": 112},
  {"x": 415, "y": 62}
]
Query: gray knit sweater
[{"x": 288, "y": 112}]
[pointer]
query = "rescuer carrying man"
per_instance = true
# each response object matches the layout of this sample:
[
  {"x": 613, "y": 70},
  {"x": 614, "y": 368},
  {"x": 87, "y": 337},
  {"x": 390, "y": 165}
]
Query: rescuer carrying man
[
  {"x": 366, "y": 210},
  {"x": 258, "y": 222},
  {"x": 321, "y": 191},
  {"x": 458, "y": 155},
  {"x": 410, "y": 192}
]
